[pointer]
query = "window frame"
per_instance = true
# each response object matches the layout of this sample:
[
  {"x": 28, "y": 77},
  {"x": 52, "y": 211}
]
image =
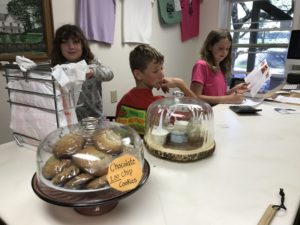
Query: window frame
[{"x": 252, "y": 47}]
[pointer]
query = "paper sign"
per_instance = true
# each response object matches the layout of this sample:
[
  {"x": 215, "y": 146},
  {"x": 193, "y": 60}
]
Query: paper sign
[
  {"x": 257, "y": 78},
  {"x": 124, "y": 173}
]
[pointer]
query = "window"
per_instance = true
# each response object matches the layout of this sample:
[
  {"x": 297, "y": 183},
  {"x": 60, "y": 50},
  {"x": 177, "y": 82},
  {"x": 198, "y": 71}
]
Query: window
[{"x": 261, "y": 30}]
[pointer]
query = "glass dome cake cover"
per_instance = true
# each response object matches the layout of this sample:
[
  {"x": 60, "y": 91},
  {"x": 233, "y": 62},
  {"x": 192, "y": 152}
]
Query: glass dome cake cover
[
  {"x": 91, "y": 156},
  {"x": 180, "y": 128}
]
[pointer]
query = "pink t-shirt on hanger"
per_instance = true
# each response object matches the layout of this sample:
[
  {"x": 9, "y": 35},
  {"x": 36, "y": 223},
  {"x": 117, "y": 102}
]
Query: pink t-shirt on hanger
[{"x": 190, "y": 11}]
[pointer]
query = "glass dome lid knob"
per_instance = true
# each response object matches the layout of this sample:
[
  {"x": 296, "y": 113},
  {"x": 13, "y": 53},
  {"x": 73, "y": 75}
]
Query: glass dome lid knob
[
  {"x": 89, "y": 123},
  {"x": 178, "y": 94}
]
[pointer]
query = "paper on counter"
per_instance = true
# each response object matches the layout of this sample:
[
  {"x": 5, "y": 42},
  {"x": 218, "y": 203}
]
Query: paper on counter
[
  {"x": 250, "y": 102},
  {"x": 282, "y": 92},
  {"x": 284, "y": 99},
  {"x": 287, "y": 110},
  {"x": 295, "y": 91}
]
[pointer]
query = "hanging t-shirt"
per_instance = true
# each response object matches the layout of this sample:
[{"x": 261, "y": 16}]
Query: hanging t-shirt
[
  {"x": 137, "y": 21},
  {"x": 190, "y": 10},
  {"x": 97, "y": 19}
]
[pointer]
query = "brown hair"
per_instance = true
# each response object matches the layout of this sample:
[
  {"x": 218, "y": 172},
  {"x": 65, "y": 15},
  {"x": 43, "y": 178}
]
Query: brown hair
[
  {"x": 64, "y": 33},
  {"x": 142, "y": 55},
  {"x": 212, "y": 38}
]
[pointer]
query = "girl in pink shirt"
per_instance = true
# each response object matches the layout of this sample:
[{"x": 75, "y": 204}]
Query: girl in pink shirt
[{"x": 208, "y": 76}]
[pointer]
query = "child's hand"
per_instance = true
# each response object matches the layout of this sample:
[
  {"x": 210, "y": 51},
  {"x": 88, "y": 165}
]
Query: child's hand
[
  {"x": 169, "y": 82},
  {"x": 89, "y": 75},
  {"x": 241, "y": 88},
  {"x": 264, "y": 66},
  {"x": 161, "y": 85},
  {"x": 165, "y": 89},
  {"x": 174, "y": 82},
  {"x": 234, "y": 98}
]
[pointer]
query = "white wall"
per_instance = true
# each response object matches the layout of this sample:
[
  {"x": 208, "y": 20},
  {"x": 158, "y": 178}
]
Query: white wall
[{"x": 179, "y": 57}]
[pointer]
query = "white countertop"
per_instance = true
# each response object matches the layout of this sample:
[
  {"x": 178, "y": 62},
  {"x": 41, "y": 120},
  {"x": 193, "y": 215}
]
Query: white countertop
[{"x": 254, "y": 157}]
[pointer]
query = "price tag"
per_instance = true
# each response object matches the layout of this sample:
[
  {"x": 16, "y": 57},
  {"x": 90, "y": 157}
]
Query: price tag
[{"x": 124, "y": 173}]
